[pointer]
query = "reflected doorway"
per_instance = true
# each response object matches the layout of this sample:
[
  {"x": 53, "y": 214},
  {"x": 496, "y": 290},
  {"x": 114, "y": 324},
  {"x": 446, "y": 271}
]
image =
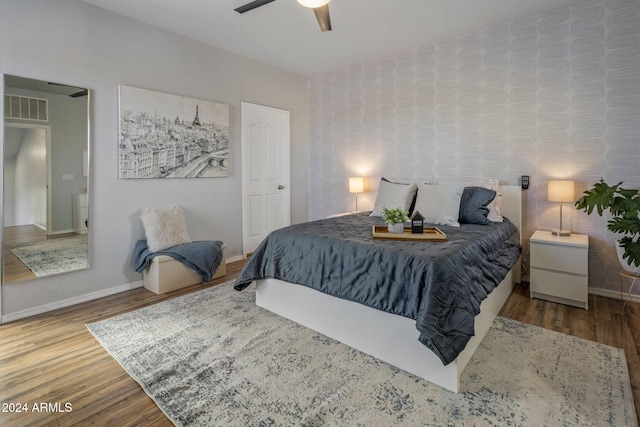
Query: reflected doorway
[
  {"x": 26, "y": 176},
  {"x": 26, "y": 208}
]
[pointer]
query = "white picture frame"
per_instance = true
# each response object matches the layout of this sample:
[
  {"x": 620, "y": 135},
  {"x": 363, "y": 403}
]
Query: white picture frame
[{"x": 170, "y": 136}]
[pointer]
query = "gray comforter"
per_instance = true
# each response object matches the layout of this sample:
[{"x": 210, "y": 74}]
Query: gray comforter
[{"x": 439, "y": 284}]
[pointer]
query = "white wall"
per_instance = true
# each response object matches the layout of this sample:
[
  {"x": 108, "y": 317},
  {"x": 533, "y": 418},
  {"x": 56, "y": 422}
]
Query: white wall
[
  {"x": 13, "y": 138},
  {"x": 554, "y": 96},
  {"x": 9, "y": 194},
  {"x": 68, "y": 141},
  {"x": 30, "y": 192},
  {"x": 67, "y": 41}
]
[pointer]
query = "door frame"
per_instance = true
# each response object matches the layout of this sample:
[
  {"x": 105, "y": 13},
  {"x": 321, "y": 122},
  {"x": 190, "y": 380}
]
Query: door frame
[
  {"x": 49, "y": 201},
  {"x": 286, "y": 164}
]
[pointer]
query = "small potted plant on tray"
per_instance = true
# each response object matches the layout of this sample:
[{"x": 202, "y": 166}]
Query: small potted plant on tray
[
  {"x": 623, "y": 205},
  {"x": 395, "y": 219}
]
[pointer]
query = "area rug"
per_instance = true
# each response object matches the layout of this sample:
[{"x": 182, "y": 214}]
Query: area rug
[
  {"x": 53, "y": 256},
  {"x": 213, "y": 358}
]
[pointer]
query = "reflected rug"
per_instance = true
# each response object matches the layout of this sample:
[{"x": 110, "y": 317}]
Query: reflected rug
[
  {"x": 213, "y": 358},
  {"x": 53, "y": 256}
]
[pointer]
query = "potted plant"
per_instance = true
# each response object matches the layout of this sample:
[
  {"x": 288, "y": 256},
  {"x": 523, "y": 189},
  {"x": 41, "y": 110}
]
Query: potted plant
[
  {"x": 395, "y": 219},
  {"x": 623, "y": 205}
]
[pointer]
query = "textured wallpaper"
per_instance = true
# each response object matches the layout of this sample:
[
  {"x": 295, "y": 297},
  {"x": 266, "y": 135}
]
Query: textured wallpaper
[{"x": 554, "y": 96}]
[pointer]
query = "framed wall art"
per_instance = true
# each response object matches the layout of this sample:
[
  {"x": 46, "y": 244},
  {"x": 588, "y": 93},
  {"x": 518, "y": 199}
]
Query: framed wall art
[{"x": 171, "y": 136}]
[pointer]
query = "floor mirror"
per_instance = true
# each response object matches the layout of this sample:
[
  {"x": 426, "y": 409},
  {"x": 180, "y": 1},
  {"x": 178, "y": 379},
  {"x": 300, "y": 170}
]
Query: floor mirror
[{"x": 46, "y": 185}]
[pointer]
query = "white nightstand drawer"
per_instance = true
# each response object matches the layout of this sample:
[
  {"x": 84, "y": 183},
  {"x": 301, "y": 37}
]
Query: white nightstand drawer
[
  {"x": 559, "y": 268},
  {"x": 560, "y": 258},
  {"x": 567, "y": 286}
]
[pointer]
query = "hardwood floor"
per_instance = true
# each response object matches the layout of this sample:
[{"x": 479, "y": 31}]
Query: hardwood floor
[
  {"x": 52, "y": 358},
  {"x": 15, "y": 270},
  {"x": 605, "y": 322}
]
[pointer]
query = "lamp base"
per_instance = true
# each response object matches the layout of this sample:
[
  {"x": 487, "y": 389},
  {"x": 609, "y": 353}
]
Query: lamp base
[{"x": 560, "y": 232}]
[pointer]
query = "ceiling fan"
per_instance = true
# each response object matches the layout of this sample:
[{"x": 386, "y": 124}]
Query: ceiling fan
[
  {"x": 81, "y": 92},
  {"x": 320, "y": 8}
]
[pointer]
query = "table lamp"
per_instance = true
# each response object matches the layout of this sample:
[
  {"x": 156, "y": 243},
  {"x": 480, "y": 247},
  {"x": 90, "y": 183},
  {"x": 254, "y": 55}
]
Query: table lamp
[
  {"x": 562, "y": 192},
  {"x": 356, "y": 185}
]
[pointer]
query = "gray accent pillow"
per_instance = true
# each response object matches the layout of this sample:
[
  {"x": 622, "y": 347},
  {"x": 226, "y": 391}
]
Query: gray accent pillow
[{"x": 474, "y": 205}]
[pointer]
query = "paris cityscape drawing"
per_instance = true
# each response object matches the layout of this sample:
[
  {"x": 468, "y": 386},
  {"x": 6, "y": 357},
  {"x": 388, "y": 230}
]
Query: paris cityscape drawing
[{"x": 171, "y": 136}]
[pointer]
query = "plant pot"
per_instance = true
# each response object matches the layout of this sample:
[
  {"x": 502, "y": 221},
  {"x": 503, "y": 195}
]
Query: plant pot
[
  {"x": 629, "y": 268},
  {"x": 396, "y": 228}
]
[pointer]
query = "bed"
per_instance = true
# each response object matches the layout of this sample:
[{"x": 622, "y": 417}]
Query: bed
[{"x": 345, "y": 302}]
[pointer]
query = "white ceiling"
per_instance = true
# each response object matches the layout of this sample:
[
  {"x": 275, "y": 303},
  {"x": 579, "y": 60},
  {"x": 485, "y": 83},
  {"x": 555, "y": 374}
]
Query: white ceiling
[{"x": 286, "y": 35}]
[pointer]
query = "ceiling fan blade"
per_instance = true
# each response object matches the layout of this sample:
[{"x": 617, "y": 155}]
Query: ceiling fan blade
[
  {"x": 83, "y": 92},
  {"x": 61, "y": 84},
  {"x": 322, "y": 15},
  {"x": 252, "y": 5}
]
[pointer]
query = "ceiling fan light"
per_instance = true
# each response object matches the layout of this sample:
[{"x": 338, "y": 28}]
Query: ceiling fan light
[{"x": 313, "y": 3}]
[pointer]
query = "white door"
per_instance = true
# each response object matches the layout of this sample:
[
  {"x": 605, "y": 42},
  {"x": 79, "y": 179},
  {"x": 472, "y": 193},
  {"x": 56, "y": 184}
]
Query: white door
[{"x": 265, "y": 173}]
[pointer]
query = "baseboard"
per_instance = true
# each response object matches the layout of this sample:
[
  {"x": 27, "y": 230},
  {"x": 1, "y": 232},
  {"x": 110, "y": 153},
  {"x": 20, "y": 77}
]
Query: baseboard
[
  {"x": 235, "y": 258},
  {"x": 82, "y": 298},
  {"x": 614, "y": 294},
  {"x": 68, "y": 302},
  {"x": 608, "y": 293},
  {"x": 55, "y": 233}
]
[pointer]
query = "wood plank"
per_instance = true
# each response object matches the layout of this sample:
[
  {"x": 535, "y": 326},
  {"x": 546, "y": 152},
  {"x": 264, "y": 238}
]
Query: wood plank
[
  {"x": 15, "y": 270},
  {"x": 53, "y": 358}
]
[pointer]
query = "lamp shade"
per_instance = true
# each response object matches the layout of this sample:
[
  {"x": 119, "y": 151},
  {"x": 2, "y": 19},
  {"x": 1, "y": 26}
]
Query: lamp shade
[
  {"x": 561, "y": 191},
  {"x": 356, "y": 184},
  {"x": 313, "y": 3}
]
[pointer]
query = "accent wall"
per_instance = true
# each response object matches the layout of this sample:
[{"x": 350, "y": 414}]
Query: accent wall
[{"x": 555, "y": 96}]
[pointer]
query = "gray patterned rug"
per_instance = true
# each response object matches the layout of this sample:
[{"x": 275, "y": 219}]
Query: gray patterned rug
[
  {"x": 212, "y": 358},
  {"x": 53, "y": 256}
]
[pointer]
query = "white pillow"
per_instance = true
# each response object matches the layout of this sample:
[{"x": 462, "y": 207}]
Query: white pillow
[
  {"x": 164, "y": 227},
  {"x": 492, "y": 184},
  {"x": 439, "y": 203},
  {"x": 391, "y": 195}
]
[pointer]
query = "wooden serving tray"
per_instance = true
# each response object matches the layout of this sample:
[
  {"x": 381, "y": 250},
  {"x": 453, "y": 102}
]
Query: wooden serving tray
[{"x": 430, "y": 234}]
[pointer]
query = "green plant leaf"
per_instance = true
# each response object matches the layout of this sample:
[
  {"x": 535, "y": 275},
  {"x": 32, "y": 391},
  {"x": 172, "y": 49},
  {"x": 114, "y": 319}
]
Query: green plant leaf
[
  {"x": 631, "y": 250},
  {"x": 601, "y": 197},
  {"x": 628, "y": 224},
  {"x": 627, "y": 204},
  {"x": 395, "y": 215},
  {"x": 624, "y": 205}
]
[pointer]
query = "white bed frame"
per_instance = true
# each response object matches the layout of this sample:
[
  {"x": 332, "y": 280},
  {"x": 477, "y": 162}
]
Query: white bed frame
[{"x": 388, "y": 337}]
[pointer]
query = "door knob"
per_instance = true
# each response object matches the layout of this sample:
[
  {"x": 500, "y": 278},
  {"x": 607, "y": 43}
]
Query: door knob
[{"x": 280, "y": 187}]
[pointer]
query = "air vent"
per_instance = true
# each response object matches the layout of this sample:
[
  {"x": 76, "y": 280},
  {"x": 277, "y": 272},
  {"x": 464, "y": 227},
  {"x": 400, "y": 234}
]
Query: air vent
[{"x": 26, "y": 108}]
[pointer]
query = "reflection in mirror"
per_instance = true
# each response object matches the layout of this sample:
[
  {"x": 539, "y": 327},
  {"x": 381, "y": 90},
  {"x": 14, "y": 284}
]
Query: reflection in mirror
[{"x": 45, "y": 197}]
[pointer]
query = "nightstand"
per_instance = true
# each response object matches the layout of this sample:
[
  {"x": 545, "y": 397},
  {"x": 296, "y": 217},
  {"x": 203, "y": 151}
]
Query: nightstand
[{"x": 559, "y": 268}]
